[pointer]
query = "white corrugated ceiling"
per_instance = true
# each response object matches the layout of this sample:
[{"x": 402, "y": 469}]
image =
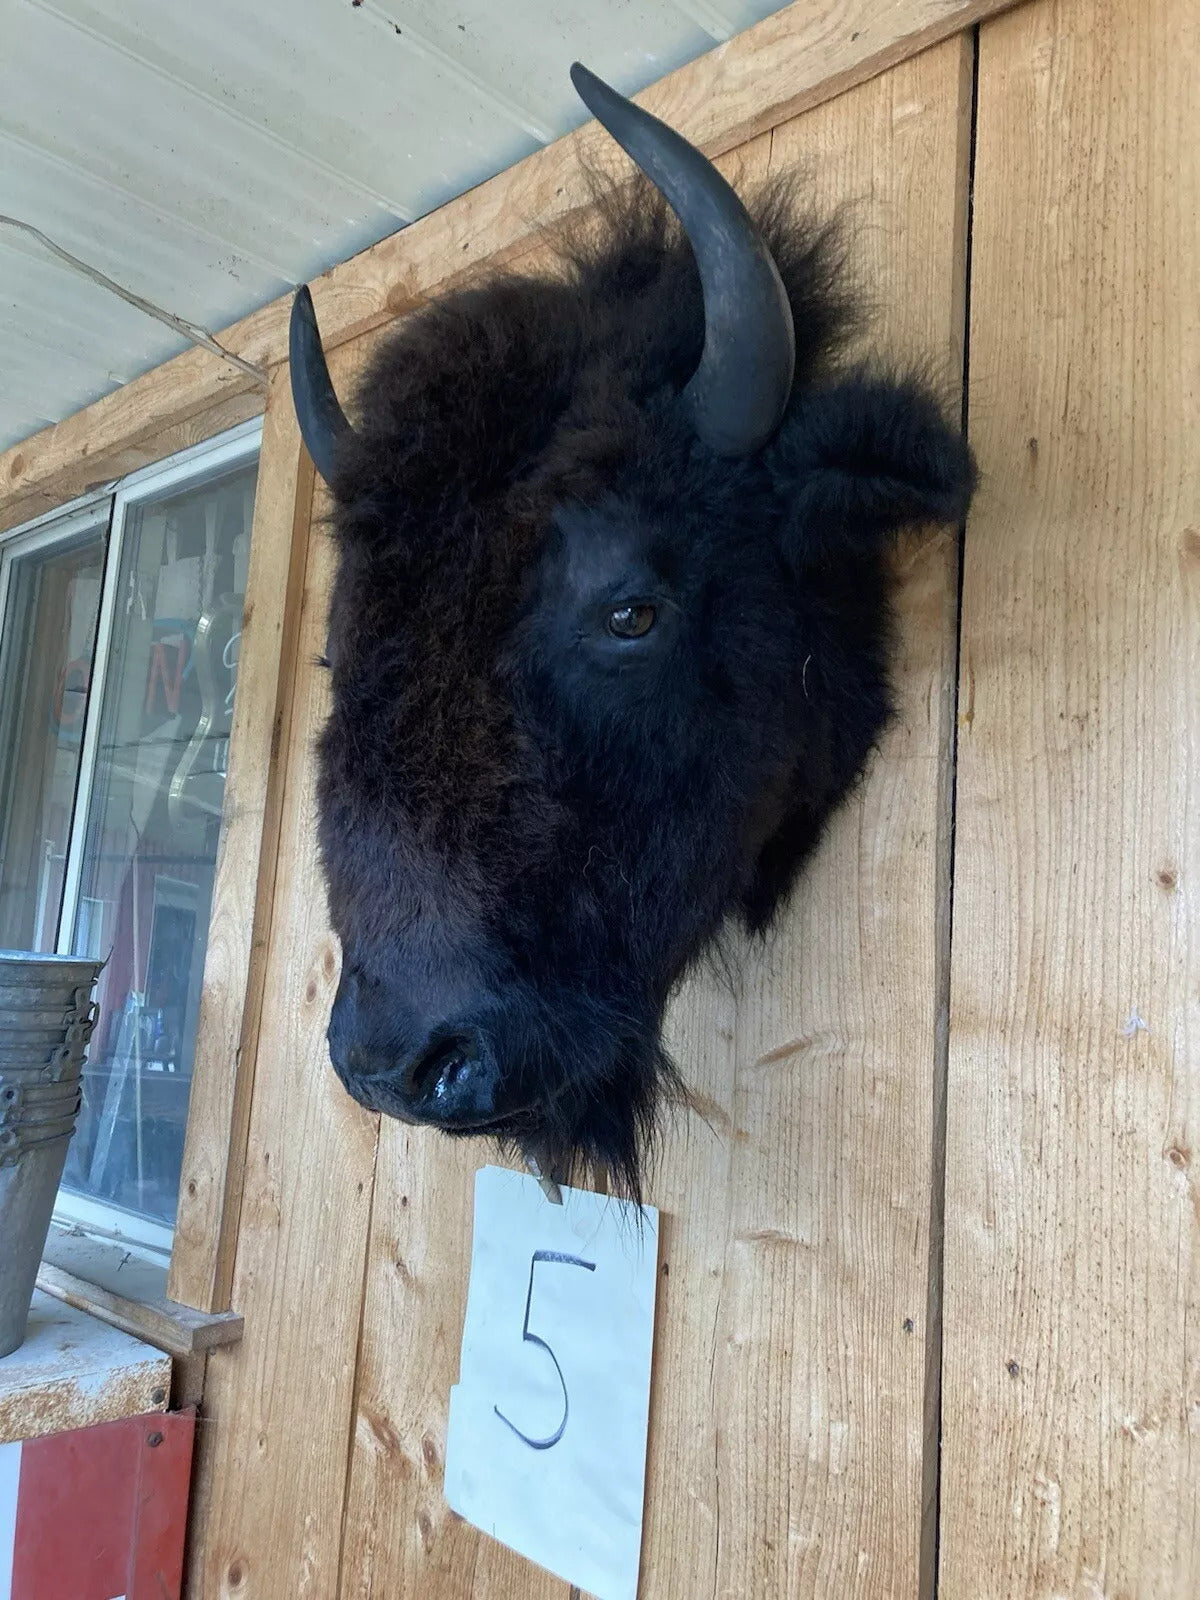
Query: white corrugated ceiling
[{"x": 209, "y": 154}]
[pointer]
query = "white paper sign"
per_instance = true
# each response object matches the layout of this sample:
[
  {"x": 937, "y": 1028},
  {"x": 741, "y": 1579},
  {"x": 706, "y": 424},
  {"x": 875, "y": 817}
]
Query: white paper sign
[{"x": 546, "y": 1448}]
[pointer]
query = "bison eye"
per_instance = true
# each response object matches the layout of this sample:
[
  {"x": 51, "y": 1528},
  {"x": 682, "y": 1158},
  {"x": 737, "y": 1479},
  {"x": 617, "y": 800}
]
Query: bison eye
[{"x": 631, "y": 622}]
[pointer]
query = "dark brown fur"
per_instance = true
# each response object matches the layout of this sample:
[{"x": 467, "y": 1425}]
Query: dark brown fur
[{"x": 529, "y": 831}]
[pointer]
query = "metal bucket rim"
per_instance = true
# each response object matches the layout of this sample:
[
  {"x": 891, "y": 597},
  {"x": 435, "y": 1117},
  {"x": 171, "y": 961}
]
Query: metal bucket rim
[
  {"x": 37, "y": 1096},
  {"x": 49, "y": 958},
  {"x": 60, "y": 984}
]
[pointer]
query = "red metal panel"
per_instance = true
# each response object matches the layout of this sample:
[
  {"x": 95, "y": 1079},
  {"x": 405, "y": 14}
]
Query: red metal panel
[
  {"x": 101, "y": 1512},
  {"x": 160, "y": 1513}
]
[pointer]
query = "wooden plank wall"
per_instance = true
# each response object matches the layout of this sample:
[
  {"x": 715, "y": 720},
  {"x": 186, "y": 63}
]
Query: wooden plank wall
[
  {"x": 803, "y": 1399},
  {"x": 1072, "y": 1351},
  {"x": 788, "y": 1424},
  {"x": 212, "y": 1176},
  {"x": 793, "y": 1317},
  {"x": 271, "y": 1472}
]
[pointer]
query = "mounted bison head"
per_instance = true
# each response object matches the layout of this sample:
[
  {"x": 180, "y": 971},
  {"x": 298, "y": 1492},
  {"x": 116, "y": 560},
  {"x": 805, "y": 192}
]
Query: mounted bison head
[{"x": 608, "y": 640}]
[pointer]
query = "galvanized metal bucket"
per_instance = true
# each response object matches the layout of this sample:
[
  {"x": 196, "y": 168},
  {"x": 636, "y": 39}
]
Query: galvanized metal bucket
[{"x": 46, "y": 1018}]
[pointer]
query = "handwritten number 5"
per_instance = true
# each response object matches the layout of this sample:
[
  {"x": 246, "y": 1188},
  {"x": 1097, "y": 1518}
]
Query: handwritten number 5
[{"x": 532, "y": 1338}]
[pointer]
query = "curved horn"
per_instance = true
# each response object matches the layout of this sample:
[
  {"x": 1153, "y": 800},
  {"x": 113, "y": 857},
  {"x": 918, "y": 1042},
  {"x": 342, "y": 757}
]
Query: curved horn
[
  {"x": 321, "y": 418},
  {"x": 738, "y": 393}
]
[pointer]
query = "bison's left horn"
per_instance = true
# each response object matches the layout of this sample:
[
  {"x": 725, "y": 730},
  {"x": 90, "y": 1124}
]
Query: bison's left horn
[
  {"x": 738, "y": 393},
  {"x": 318, "y": 411}
]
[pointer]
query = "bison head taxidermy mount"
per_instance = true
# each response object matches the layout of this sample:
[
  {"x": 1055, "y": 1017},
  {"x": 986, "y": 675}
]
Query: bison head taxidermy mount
[{"x": 608, "y": 638}]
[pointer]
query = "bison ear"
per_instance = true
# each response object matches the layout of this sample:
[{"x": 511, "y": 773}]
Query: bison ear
[{"x": 861, "y": 459}]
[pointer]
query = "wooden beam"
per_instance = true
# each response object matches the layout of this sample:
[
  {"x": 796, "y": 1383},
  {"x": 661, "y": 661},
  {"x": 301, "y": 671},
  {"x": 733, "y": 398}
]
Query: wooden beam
[
  {"x": 130, "y": 1293},
  {"x": 271, "y": 1476},
  {"x": 177, "y": 405},
  {"x": 244, "y": 887},
  {"x": 156, "y": 1320},
  {"x": 808, "y": 53},
  {"x": 1071, "y": 1413}
]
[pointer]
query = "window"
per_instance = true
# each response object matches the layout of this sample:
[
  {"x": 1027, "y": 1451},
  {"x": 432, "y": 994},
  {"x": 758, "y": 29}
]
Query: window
[{"x": 119, "y": 631}]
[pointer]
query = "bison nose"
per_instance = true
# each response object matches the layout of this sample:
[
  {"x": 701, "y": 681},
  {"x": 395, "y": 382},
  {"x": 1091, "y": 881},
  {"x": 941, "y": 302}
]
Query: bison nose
[
  {"x": 452, "y": 1081},
  {"x": 392, "y": 1060}
]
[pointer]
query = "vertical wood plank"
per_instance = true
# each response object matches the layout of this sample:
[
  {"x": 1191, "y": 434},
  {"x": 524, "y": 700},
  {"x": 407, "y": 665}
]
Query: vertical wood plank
[
  {"x": 222, "y": 1077},
  {"x": 1072, "y": 1348},
  {"x": 821, "y": 1338},
  {"x": 787, "y": 1414},
  {"x": 399, "y": 1531},
  {"x": 267, "y": 1515}
]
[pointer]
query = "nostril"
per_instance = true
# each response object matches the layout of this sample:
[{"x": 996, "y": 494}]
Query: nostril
[{"x": 444, "y": 1063}]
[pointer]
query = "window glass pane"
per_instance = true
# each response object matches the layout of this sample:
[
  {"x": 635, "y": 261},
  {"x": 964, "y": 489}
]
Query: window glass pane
[
  {"x": 153, "y": 820},
  {"x": 49, "y": 633}
]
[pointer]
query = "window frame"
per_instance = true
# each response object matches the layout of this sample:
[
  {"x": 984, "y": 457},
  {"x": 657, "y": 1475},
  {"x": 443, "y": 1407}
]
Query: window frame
[
  {"x": 53, "y": 529},
  {"x": 231, "y": 448}
]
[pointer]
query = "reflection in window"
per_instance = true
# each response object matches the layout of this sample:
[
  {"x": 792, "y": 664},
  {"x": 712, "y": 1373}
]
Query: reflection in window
[
  {"x": 151, "y": 823},
  {"x": 49, "y": 633}
]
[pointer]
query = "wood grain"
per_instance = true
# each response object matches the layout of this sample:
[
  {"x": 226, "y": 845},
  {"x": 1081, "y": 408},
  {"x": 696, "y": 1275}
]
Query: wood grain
[
  {"x": 271, "y": 1473},
  {"x": 400, "y": 1535},
  {"x": 1072, "y": 1322},
  {"x": 234, "y": 969},
  {"x": 821, "y": 1338},
  {"x": 788, "y": 1405},
  {"x": 100, "y": 1277},
  {"x": 805, "y": 54},
  {"x": 145, "y": 421}
]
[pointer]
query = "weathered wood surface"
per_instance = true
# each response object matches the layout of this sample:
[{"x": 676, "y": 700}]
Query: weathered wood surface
[
  {"x": 1072, "y": 1321},
  {"x": 121, "y": 1289},
  {"x": 73, "y": 1371},
  {"x": 816, "y": 1396},
  {"x": 272, "y": 1446},
  {"x": 804, "y": 54},
  {"x": 177, "y": 405},
  {"x": 788, "y": 1406},
  {"x": 212, "y": 1175}
]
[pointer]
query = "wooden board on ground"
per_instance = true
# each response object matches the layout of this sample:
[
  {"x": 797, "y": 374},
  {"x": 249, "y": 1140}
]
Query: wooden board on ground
[
  {"x": 787, "y": 1412},
  {"x": 1072, "y": 1323}
]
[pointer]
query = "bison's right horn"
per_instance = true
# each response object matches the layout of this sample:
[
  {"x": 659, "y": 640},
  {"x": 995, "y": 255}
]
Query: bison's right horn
[
  {"x": 738, "y": 393},
  {"x": 318, "y": 411}
]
